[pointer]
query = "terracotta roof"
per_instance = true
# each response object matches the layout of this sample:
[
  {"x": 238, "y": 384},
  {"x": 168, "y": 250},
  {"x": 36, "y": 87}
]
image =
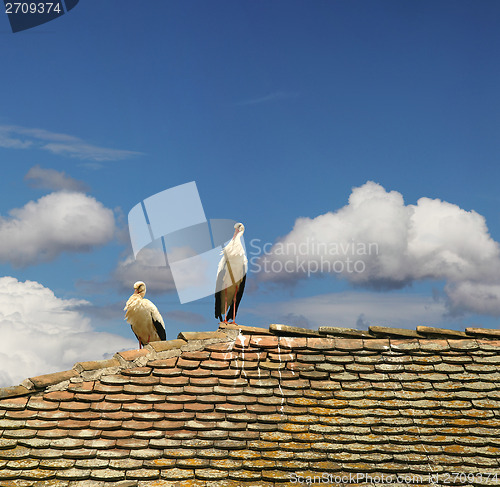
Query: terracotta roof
[{"x": 246, "y": 406}]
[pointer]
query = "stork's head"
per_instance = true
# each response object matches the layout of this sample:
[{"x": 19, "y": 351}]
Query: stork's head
[
  {"x": 140, "y": 288},
  {"x": 239, "y": 228}
]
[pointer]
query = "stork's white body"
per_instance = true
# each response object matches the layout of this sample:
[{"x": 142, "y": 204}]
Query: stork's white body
[
  {"x": 144, "y": 318},
  {"x": 231, "y": 274}
]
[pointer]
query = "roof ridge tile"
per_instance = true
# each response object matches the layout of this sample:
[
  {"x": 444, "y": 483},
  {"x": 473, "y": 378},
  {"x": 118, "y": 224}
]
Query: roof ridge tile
[
  {"x": 388, "y": 332},
  {"x": 45, "y": 380},
  {"x": 341, "y": 332},
  {"x": 292, "y": 330},
  {"x": 441, "y": 332},
  {"x": 376, "y": 339},
  {"x": 248, "y": 330},
  {"x": 127, "y": 359},
  {"x": 483, "y": 332}
]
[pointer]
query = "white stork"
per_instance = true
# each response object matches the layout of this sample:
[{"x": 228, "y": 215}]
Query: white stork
[
  {"x": 231, "y": 275},
  {"x": 144, "y": 318}
]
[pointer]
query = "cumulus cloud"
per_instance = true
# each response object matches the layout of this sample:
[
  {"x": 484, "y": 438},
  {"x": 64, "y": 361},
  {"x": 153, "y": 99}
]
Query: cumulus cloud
[
  {"x": 58, "y": 222},
  {"x": 16, "y": 137},
  {"x": 476, "y": 297},
  {"x": 355, "y": 310},
  {"x": 147, "y": 268},
  {"x": 41, "y": 333},
  {"x": 38, "y": 177},
  {"x": 379, "y": 242}
]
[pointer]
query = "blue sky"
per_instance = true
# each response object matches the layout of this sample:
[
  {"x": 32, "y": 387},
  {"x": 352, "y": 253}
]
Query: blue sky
[{"x": 279, "y": 111}]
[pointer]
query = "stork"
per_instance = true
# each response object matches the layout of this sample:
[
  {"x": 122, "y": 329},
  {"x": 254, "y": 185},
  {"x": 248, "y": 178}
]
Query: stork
[
  {"x": 231, "y": 275},
  {"x": 144, "y": 318}
]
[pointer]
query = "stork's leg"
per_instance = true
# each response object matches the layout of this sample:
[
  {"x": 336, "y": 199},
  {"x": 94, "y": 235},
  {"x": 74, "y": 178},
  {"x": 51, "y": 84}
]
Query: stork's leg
[
  {"x": 234, "y": 304},
  {"x": 225, "y": 305}
]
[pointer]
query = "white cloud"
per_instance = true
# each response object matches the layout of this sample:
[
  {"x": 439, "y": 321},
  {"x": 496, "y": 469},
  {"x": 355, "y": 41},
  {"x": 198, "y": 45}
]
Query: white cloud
[
  {"x": 39, "y": 177},
  {"x": 377, "y": 241},
  {"x": 146, "y": 268},
  {"x": 149, "y": 268},
  {"x": 476, "y": 297},
  {"x": 58, "y": 222},
  {"x": 41, "y": 333},
  {"x": 355, "y": 310},
  {"x": 15, "y": 137},
  {"x": 82, "y": 150}
]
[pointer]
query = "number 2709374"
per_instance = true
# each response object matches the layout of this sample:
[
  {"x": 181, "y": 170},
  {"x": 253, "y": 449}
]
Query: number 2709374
[{"x": 32, "y": 7}]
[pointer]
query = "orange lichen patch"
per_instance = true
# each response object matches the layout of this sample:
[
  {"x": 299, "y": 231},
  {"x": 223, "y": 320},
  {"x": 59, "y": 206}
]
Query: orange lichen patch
[
  {"x": 302, "y": 401},
  {"x": 38, "y": 474},
  {"x": 293, "y": 428},
  {"x": 226, "y": 464},
  {"x": 322, "y": 411},
  {"x": 245, "y": 454},
  {"x": 277, "y": 475}
]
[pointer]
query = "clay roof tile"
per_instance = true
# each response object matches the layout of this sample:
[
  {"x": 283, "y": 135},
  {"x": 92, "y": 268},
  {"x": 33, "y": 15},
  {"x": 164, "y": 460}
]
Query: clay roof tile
[{"x": 248, "y": 406}]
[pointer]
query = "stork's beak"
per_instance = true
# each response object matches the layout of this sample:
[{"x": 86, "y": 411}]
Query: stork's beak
[{"x": 235, "y": 233}]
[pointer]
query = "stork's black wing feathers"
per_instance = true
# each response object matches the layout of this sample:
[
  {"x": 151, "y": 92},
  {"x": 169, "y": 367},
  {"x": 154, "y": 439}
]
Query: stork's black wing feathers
[
  {"x": 241, "y": 288},
  {"x": 218, "y": 298},
  {"x": 159, "y": 329},
  {"x": 218, "y": 294}
]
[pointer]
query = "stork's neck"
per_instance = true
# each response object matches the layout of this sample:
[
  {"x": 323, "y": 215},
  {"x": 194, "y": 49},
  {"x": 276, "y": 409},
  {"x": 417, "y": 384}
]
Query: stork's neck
[{"x": 237, "y": 239}]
